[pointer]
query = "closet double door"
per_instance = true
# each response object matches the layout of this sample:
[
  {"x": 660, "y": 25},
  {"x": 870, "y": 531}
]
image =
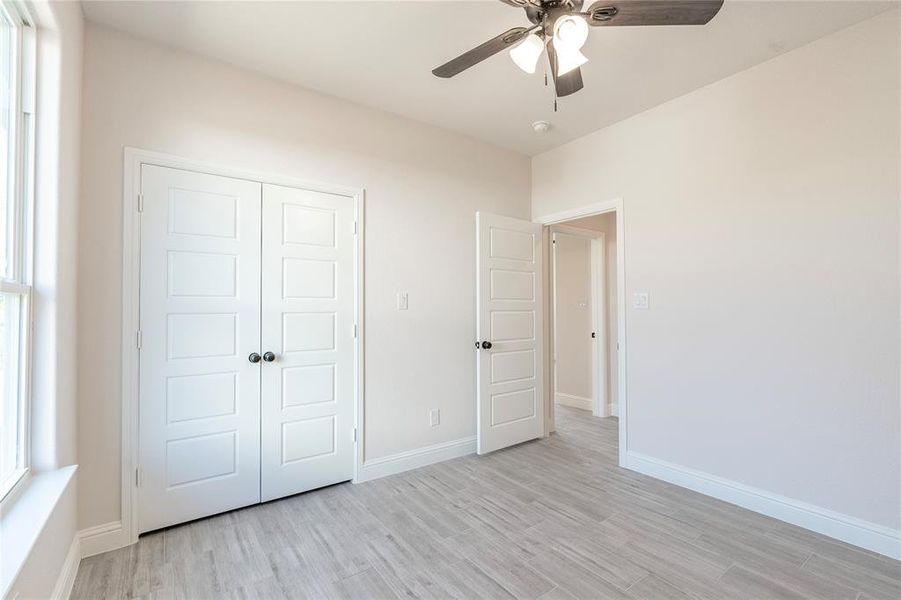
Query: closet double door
[{"x": 246, "y": 343}]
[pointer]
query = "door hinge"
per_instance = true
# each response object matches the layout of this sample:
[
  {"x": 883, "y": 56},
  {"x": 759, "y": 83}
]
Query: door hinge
[
  {"x": 355, "y": 228},
  {"x": 593, "y": 335},
  {"x": 355, "y": 434},
  {"x": 139, "y": 339},
  {"x": 138, "y": 477},
  {"x": 355, "y": 331},
  {"x": 140, "y": 202}
]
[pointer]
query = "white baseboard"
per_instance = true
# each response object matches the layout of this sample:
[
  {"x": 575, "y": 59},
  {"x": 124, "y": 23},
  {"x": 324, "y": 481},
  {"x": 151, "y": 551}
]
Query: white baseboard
[
  {"x": 66, "y": 580},
  {"x": 102, "y": 538},
  {"x": 852, "y": 530},
  {"x": 573, "y": 401},
  {"x": 413, "y": 459}
]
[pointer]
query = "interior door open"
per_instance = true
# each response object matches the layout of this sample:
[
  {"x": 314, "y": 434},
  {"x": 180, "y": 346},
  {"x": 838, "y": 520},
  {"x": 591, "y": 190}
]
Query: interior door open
[{"x": 510, "y": 364}]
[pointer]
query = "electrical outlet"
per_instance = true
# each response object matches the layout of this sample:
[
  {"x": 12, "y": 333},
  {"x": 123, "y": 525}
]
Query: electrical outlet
[
  {"x": 434, "y": 417},
  {"x": 403, "y": 300}
]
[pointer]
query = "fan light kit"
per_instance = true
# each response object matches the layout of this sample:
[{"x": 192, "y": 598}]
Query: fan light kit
[
  {"x": 561, "y": 27},
  {"x": 527, "y": 53},
  {"x": 570, "y": 34}
]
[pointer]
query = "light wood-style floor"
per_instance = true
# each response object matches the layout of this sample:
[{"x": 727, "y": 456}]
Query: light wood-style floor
[{"x": 551, "y": 519}]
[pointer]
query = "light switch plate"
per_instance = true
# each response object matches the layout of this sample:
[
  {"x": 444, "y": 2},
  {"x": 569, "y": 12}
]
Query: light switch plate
[
  {"x": 403, "y": 300},
  {"x": 434, "y": 417},
  {"x": 641, "y": 300}
]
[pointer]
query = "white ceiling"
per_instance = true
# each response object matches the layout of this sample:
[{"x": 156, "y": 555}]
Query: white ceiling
[{"x": 381, "y": 53}]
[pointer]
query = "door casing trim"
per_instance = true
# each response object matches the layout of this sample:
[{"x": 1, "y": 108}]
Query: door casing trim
[
  {"x": 131, "y": 277},
  {"x": 615, "y": 206}
]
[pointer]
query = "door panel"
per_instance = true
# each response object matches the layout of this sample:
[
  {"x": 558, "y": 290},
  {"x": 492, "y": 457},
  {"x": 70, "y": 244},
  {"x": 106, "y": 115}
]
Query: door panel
[
  {"x": 510, "y": 318},
  {"x": 200, "y": 319},
  {"x": 308, "y": 323}
]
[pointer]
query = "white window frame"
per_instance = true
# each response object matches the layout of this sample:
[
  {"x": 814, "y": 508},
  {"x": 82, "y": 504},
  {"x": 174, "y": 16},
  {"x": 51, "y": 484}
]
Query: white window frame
[{"x": 19, "y": 281}]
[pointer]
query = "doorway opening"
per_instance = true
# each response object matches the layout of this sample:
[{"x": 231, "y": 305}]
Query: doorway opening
[{"x": 585, "y": 366}]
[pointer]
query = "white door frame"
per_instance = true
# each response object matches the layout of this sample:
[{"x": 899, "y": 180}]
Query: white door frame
[
  {"x": 599, "y": 400},
  {"x": 131, "y": 277},
  {"x": 615, "y": 206}
]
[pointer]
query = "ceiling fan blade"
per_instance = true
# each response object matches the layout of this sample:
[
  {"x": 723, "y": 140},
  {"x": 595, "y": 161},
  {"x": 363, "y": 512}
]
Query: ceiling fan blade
[
  {"x": 523, "y": 3},
  {"x": 481, "y": 52},
  {"x": 621, "y": 13},
  {"x": 567, "y": 84}
]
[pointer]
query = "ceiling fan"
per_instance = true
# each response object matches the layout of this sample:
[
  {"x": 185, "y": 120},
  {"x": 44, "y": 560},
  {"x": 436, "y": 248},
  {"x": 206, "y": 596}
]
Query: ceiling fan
[{"x": 561, "y": 27}]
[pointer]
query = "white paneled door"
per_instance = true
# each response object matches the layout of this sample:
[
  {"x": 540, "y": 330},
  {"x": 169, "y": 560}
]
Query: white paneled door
[
  {"x": 308, "y": 327},
  {"x": 247, "y": 353},
  {"x": 200, "y": 319},
  {"x": 509, "y": 363}
]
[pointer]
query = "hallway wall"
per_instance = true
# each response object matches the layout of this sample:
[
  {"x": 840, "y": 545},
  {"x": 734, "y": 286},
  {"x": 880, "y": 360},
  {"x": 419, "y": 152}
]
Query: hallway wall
[
  {"x": 606, "y": 224},
  {"x": 573, "y": 321}
]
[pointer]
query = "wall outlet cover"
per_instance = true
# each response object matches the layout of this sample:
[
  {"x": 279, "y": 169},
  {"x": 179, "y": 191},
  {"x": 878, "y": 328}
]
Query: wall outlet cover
[
  {"x": 641, "y": 300},
  {"x": 403, "y": 300}
]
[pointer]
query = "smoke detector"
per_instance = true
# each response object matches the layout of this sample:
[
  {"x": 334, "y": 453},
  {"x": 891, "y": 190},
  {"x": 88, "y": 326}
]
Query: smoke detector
[{"x": 541, "y": 126}]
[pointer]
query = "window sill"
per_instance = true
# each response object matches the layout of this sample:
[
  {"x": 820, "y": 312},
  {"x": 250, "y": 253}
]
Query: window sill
[
  {"x": 11, "y": 486},
  {"x": 23, "y": 515}
]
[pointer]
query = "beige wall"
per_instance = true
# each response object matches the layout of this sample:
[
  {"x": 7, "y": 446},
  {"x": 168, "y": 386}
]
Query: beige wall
[
  {"x": 572, "y": 320},
  {"x": 762, "y": 216},
  {"x": 423, "y": 187},
  {"x": 606, "y": 223}
]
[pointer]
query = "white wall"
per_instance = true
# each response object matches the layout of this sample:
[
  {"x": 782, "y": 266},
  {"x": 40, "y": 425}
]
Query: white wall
[
  {"x": 762, "y": 215},
  {"x": 573, "y": 320},
  {"x": 606, "y": 223},
  {"x": 423, "y": 187}
]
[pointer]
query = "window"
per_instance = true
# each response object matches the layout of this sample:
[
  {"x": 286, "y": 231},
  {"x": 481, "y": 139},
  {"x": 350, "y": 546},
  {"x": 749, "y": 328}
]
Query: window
[{"x": 16, "y": 174}]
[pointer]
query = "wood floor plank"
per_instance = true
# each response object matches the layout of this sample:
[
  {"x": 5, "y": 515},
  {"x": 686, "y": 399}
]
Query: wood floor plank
[
  {"x": 553, "y": 519},
  {"x": 784, "y": 569},
  {"x": 837, "y": 550},
  {"x": 503, "y": 565},
  {"x": 574, "y": 578},
  {"x": 749, "y": 584},
  {"x": 364, "y": 586},
  {"x": 606, "y": 563},
  {"x": 557, "y": 594},
  {"x": 464, "y": 580},
  {"x": 655, "y": 588},
  {"x": 871, "y": 581}
]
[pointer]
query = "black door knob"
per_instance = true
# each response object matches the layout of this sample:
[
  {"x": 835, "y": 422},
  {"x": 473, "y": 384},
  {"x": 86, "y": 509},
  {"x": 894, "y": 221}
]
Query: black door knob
[
  {"x": 254, "y": 357},
  {"x": 486, "y": 345},
  {"x": 269, "y": 357}
]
